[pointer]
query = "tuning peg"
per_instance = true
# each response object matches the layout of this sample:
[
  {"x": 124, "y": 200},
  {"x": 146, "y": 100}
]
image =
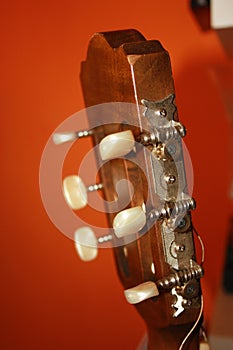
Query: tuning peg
[
  {"x": 129, "y": 221},
  {"x": 86, "y": 243},
  {"x": 75, "y": 192},
  {"x": 116, "y": 145},
  {"x": 141, "y": 292},
  {"x": 62, "y": 137},
  {"x": 204, "y": 346}
]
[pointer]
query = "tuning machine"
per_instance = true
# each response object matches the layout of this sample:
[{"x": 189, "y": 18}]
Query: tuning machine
[
  {"x": 182, "y": 284},
  {"x": 121, "y": 143},
  {"x": 132, "y": 220}
]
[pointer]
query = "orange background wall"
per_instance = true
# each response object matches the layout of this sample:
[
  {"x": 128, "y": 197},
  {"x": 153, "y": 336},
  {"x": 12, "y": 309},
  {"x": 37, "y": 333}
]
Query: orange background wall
[{"x": 51, "y": 300}]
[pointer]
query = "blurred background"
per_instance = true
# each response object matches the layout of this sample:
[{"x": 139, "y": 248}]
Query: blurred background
[{"x": 49, "y": 298}]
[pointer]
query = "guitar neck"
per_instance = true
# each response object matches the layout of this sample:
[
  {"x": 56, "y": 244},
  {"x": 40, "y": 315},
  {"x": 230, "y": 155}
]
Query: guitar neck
[{"x": 124, "y": 67}]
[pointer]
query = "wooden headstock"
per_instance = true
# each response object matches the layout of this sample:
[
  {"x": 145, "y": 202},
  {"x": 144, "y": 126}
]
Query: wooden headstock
[{"x": 157, "y": 268}]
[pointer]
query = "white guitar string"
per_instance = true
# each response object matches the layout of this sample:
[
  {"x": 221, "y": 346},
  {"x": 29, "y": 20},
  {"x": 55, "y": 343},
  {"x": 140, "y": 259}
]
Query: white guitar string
[
  {"x": 194, "y": 326},
  {"x": 201, "y": 309},
  {"x": 202, "y": 245}
]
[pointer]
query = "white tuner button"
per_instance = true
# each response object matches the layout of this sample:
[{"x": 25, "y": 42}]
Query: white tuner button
[
  {"x": 75, "y": 192},
  {"x": 141, "y": 292},
  {"x": 59, "y": 138},
  {"x": 129, "y": 221},
  {"x": 116, "y": 145},
  {"x": 68, "y": 136},
  {"x": 204, "y": 346},
  {"x": 86, "y": 243}
]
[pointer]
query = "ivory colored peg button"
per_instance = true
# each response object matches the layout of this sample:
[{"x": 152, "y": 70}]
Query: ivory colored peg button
[
  {"x": 86, "y": 243},
  {"x": 116, "y": 145},
  {"x": 204, "y": 346},
  {"x": 75, "y": 192},
  {"x": 141, "y": 292},
  {"x": 63, "y": 137},
  {"x": 129, "y": 221}
]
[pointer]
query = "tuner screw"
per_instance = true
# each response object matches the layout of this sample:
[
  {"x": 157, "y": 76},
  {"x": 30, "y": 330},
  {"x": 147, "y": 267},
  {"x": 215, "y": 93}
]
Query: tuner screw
[
  {"x": 190, "y": 290},
  {"x": 163, "y": 113},
  {"x": 75, "y": 192},
  {"x": 186, "y": 303},
  {"x": 180, "y": 248},
  {"x": 170, "y": 179},
  {"x": 116, "y": 145},
  {"x": 181, "y": 223},
  {"x": 129, "y": 221}
]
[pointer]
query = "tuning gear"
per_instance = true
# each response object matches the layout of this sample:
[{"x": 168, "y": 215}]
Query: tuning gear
[
  {"x": 129, "y": 221},
  {"x": 141, "y": 292},
  {"x": 173, "y": 130},
  {"x": 178, "y": 278},
  {"x": 75, "y": 192},
  {"x": 178, "y": 305},
  {"x": 173, "y": 209}
]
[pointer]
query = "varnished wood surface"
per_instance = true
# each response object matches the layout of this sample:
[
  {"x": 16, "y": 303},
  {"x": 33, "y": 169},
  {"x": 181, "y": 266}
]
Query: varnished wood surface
[{"x": 124, "y": 67}]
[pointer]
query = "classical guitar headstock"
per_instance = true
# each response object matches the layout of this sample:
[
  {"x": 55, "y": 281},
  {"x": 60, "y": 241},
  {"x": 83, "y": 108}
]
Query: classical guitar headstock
[{"x": 139, "y": 139}]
